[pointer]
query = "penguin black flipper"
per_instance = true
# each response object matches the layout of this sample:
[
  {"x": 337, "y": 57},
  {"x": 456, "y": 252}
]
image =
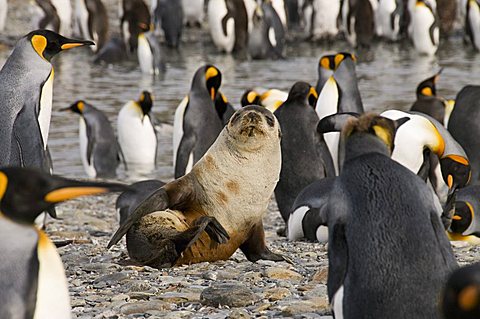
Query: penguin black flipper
[
  {"x": 27, "y": 148},
  {"x": 184, "y": 152},
  {"x": 91, "y": 143},
  {"x": 327, "y": 160},
  {"x": 424, "y": 171},
  {"x": 431, "y": 31},
  {"x": 338, "y": 250},
  {"x": 335, "y": 122}
]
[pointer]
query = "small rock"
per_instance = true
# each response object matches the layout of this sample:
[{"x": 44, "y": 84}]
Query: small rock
[
  {"x": 252, "y": 276},
  {"x": 111, "y": 279},
  {"x": 77, "y": 302},
  {"x": 274, "y": 294},
  {"x": 178, "y": 297},
  {"x": 142, "y": 307},
  {"x": 321, "y": 276},
  {"x": 138, "y": 286},
  {"x": 238, "y": 314},
  {"x": 282, "y": 274},
  {"x": 209, "y": 275},
  {"x": 120, "y": 297},
  {"x": 232, "y": 295},
  {"x": 314, "y": 305}
]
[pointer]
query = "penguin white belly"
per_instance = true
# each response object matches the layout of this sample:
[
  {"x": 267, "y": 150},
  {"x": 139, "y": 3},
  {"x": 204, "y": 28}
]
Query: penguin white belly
[
  {"x": 83, "y": 141},
  {"x": 327, "y": 104},
  {"x": 279, "y": 7},
  {"x": 295, "y": 228},
  {"x": 326, "y": 13},
  {"x": 384, "y": 16},
  {"x": 193, "y": 10},
  {"x": 64, "y": 11},
  {"x": 337, "y": 303},
  {"x": 178, "y": 126},
  {"x": 81, "y": 19},
  {"x": 3, "y": 13},
  {"x": 322, "y": 234},
  {"x": 250, "y": 6},
  {"x": 53, "y": 301},
  {"x": 474, "y": 20},
  {"x": 217, "y": 10},
  {"x": 307, "y": 14},
  {"x": 422, "y": 21},
  {"x": 136, "y": 137},
  {"x": 145, "y": 56},
  {"x": 45, "y": 112},
  {"x": 345, "y": 9}
]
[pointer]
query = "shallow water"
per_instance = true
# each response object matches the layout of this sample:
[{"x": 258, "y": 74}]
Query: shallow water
[{"x": 388, "y": 76}]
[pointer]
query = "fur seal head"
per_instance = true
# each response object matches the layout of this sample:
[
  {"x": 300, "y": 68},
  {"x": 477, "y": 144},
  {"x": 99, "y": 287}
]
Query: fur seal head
[{"x": 250, "y": 123}]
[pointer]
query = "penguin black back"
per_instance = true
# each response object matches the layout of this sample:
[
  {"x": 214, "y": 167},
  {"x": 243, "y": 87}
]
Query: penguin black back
[{"x": 305, "y": 156}]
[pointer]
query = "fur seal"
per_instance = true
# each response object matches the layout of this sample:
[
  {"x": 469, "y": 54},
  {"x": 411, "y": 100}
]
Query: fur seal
[{"x": 219, "y": 196}]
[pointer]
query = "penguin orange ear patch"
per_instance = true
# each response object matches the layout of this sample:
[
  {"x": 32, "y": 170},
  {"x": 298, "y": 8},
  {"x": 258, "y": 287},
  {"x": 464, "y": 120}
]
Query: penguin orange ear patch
[
  {"x": 39, "y": 43},
  {"x": 469, "y": 298},
  {"x": 427, "y": 91},
  {"x": 338, "y": 59},
  {"x": 384, "y": 134},
  {"x": 211, "y": 72},
  {"x": 3, "y": 184},
  {"x": 325, "y": 63},
  {"x": 80, "y": 106},
  {"x": 251, "y": 96}
]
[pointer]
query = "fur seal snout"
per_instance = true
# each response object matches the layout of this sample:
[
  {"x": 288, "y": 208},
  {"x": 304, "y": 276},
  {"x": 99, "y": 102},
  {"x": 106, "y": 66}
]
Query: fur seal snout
[{"x": 218, "y": 207}]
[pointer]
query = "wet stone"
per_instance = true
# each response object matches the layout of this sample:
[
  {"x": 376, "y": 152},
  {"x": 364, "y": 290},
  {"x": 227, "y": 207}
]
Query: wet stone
[
  {"x": 143, "y": 307},
  {"x": 232, "y": 295}
]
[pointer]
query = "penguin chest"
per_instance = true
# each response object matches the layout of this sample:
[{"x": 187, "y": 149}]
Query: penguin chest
[
  {"x": 425, "y": 34},
  {"x": 178, "y": 126},
  {"x": 83, "y": 140},
  {"x": 136, "y": 136},
  {"x": 325, "y": 14},
  {"x": 53, "y": 301},
  {"x": 222, "y": 28},
  {"x": 474, "y": 21},
  {"x": 145, "y": 55},
  {"x": 384, "y": 21},
  {"x": 45, "y": 108}
]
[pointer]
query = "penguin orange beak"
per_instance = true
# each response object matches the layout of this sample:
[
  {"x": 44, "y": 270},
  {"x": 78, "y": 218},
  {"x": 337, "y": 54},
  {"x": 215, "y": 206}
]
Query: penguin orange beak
[
  {"x": 63, "y": 194},
  {"x": 75, "y": 43}
]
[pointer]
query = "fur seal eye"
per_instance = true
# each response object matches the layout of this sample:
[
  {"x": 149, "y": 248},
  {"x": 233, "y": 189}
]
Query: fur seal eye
[{"x": 270, "y": 120}]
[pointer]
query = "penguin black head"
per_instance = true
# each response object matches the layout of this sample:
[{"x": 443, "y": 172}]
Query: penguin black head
[
  {"x": 48, "y": 43},
  {"x": 456, "y": 171},
  {"x": 332, "y": 61},
  {"x": 461, "y": 297},
  {"x": 213, "y": 80},
  {"x": 427, "y": 87},
  {"x": 146, "y": 102},
  {"x": 25, "y": 193},
  {"x": 462, "y": 217},
  {"x": 371, "y": 125},
  {"x": 250, "y": 97},
  {"x": 304, "y": 92},
  {"x": 76, "y": 107}
]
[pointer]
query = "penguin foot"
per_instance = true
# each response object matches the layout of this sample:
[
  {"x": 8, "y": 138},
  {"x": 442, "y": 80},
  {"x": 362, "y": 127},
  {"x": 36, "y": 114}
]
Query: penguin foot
[{"x": 282, "y": 231}]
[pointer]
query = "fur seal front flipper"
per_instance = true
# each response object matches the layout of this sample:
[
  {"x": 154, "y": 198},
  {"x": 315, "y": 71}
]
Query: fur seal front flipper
[{"x": 255, "y": 248}]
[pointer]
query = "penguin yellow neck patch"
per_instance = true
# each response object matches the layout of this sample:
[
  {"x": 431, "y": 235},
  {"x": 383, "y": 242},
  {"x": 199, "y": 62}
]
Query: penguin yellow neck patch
[
  {"x": 3, "y": 184},
  {"x": 63, "y": 194},
  {"x": 39, "y": 43}
]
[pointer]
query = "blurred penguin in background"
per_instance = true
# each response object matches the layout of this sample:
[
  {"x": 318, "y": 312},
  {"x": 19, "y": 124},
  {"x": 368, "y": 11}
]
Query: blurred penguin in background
[
  {"x": 149, "y": 53},
  {"x": 55, "y": 15},
  {"x": 447, "y": 14},
  {"x": 358, "y": 18},
  {"x": 193, "y": 13},
  {"x": 461, "y": 296},
  {"x": 91, "y": 20},
  {"x": 472, "y": 23},
  {"x": 169, "y": 13},
  {"x": 320, "y": 18},
  {"x": 425, "y": 31},
  {"x": 228, "y": 22},
  {"x": 267, "y": 39},
  {"x": 389, "y": 19},
  {"x": 3, "y": 13},
  {"x": 135, "y": 16}
]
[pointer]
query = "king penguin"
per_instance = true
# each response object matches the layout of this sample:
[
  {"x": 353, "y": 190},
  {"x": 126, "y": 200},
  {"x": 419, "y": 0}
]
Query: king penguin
[
  {"x": 472, "y": 23},
  {"x": 425, "y": 29},
  {"x": 149, "y": 53},
  {"x": 136, "y": 132},
  {"x": 389, "y": 17},
  {"x": 196, "y": 124},
  {"x": 320, "y": 18},
  {"x": 339, "y": 94},
  {"x": 32, "y": 277},
  {"x": 427, "y": 101},
  {"x": 170, "y": 15},
  {"x": 26, "y": 98},
  {"x": 359, "y": 21},
  {"x": 134, "y": 16},
  {"x": 193, "y": 13},
  {"x": 91, "y": 20},
  {"x": 99, "y": 149},
  {"x": 461, "y": 296},
  {"x": 386, "y": 238},
  {"x": 228, "y": 22},
  {"x": 56, "y": 16},
  {"x": 302, "y": 162},
  {"x": 463, "y": 125},
  {"x": 465, "y": 222}
]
